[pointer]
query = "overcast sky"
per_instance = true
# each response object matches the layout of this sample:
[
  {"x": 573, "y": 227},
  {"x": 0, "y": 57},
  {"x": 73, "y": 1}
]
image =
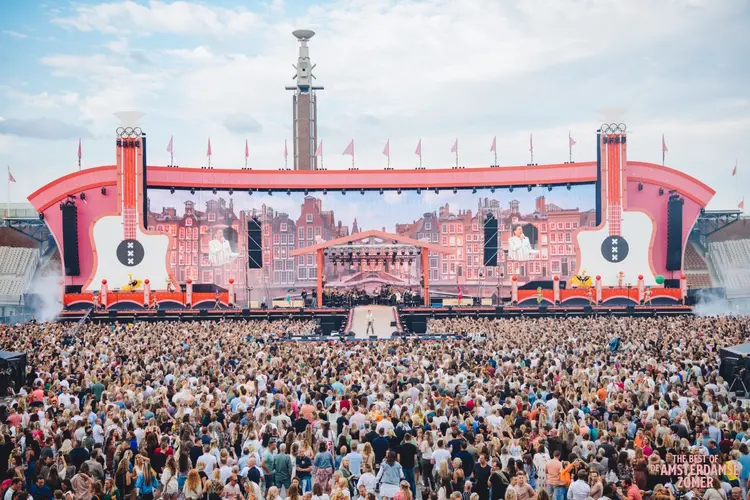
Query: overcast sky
[{"x": 398, "y": 70}]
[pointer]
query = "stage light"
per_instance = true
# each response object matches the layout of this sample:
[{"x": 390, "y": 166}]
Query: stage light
[
  {"x": 510, "y": 189},
  {"x": 171, "y": 190},
  {"x": 640, "y": 186},
  {"x": 289, "y": 192},
  {"x": 250, "y": 191},
  {"x": 474, "y": 191},
  {"x": 455, "y": 190},
  {"x": 214, "y": 191},
  {"x": 661, "y": 191},
  {"x": 83, "y": 196},
  {"x": 343, "y": 191},
  {"x": 325, "y": 191},
  {"x": 104, "y": 191},
  {"x": 569, "y": 187},
  {"x": 492, "y": 189},
  {"x": 231, "y": 192},
  {"x": 381, "y": 191},
  {"x": 437, "y": 191},
  {"x": 192, "y": 190},
  {"x": 419, "y": 191},
  {"x": 307, "y": 192},
  {"x": 549, "y": 188},
  {"x": 41, "y": 216},
  {"x": 270, "y": 193},
  {"x": 529, "y": 188},
  {"x": 362, "y": 192},
  {"x": 398, "y": 191}
]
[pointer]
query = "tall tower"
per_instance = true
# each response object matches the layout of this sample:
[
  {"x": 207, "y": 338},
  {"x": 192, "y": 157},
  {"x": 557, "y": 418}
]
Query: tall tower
[{"x": 304, "y": 107}]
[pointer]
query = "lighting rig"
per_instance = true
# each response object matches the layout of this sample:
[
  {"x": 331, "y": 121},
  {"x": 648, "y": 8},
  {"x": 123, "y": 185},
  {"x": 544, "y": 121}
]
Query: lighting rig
[{"x": 372, "y": 253}]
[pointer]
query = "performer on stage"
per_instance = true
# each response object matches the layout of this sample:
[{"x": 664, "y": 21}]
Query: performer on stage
[
  {"x": 647, "y": 296},
  {"x": 154, "y": 303},
  {"x": 519, "y": 246},
  {"x": 370, "y": 322},
  {"x": 219, "y": 250},
  {"x": 590, "y": 296},
  {"x": 217, "y": 304}
]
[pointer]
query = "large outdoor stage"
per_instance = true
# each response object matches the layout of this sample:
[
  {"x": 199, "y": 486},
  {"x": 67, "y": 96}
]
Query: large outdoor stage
[{"x": 605, "y": 234}]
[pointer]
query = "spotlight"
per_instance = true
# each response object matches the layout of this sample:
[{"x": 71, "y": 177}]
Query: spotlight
[
  {"x": 325, "y": 191},
  {"x": 214, "y": 191},
  {"x": 510, "y": 189},
  {"x": 270, "y": 193},
  {"x": 549, "y": 188},
  {"x": 343, "y": 191},
  {"x": 455, "y": 190},
  {"x": 192, "y": 190},
  {"x": 640, "y": 186},
  {"x": 104, "y": 191},
  {"x": 437, "y": 191},
  {"x": 362, "y": 192},
  {"x": 419, "y": 191},
  {"x": 398, "y": 191},
  {"x": 381, "y": 191},
  {"x": 41, "y": 214},
  {"x": 288, "y": 192},
  {"x": 569, "y": 187},
  {"x": 307, "y": 192},
  {"x": 661, "y": 191},
  {"x": 171, "y": 190},
  {"x": 231, "y": 192},
  {"x": 474, "y": 191},
  {"x": 529, "y": 188},
  {"x": 83, "y": 196},
  {"x": 492, "y": 189},
  {"x": 250, "y": 191}
]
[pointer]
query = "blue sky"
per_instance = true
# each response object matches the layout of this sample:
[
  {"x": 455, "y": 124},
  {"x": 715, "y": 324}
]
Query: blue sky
[
  {"x": 375, "y": 211},
  {"x": 398, "y": 70}
]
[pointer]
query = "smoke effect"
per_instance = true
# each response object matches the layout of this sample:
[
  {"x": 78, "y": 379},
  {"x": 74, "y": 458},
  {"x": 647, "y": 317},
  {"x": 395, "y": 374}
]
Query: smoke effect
[
  {"x": 709, "y": 302},
  {"x": 49, "y": 295}
]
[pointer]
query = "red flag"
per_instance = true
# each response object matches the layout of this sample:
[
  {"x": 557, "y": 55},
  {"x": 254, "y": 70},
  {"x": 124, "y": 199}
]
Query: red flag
[
  {"x": 460, "y": 295},
  {"x": 387, "y": 148},
  {"x": 169, "y": 146},
  {"x": 319, "y": 150},
  {"x": 247, "y": 149},
  {"x": 531, "y": 142},
  {"x": 734, "y": 170},
  {"x": 349, "y": 149},
  {"x": 208, "y": 152},
  {"x": 571, "y": 141},
  {"x": 663, "y": 144},
  {"x": 79, "y": 149},
  {"x": 10, "y": 176},
  {"x": 493, "y": 148},
  {"x": 740, "y": 205},
  {"x": 286, "y": 151},
  {"x": 418, "y": 151},
  {"x": 454, "y": 149}
]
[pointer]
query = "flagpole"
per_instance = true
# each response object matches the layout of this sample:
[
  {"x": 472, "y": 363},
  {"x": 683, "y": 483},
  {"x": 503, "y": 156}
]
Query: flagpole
[
  {"x": 570, "y": 149},
  {"x": 171, "y": 159},
  {"x": 495, "y": 156},
  {"x": 456, "y": 153},
  {"x": 7, "y": 203}
]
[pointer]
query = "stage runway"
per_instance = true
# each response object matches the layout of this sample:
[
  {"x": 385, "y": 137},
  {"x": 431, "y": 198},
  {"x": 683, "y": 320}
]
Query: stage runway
[{"x": 383, "y": 316}]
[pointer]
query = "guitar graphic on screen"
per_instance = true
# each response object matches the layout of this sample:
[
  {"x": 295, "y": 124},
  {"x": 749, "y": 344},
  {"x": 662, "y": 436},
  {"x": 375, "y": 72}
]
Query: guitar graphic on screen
[
  {"x": 122, "y": 248},
  {"x": 622, "y": 243}
]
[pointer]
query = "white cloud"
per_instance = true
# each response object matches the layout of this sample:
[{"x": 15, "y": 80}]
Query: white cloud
[
  {"x": 15, "y": 34},
  {"x": 42, "y": 100}
]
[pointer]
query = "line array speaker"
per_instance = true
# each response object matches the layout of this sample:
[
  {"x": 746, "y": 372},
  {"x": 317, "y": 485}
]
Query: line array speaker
[
  {"x": 674, "y": 233},
  {"x": 254, "y": 244},
  {"x": 70, "y": 239},
  {"x": 490, "y": 241}
]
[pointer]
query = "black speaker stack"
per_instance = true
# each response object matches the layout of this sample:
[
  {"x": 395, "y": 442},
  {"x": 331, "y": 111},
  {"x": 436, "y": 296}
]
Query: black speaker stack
[
  {"x": 674, "y": 232},
  {"x": 254, "y": 244},
  {"x": 70, "y": 238},
  {"x": 490, "y": 241}
]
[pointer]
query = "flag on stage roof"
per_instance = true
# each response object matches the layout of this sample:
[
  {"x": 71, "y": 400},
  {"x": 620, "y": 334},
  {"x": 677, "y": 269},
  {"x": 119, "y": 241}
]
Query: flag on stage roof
[
  {"x": 247, "y": 149},
  {"x": 740, "y": 205},
  {"x": 286, "y": 150},
  {"x": 493, "y": 148},
  {"x": 208, "y": 152},
  {"x": 387, "y": 148},
  {"x": 80, "y": 151},
  {"x": 10, "y": 176},
  {"x": 319, "y": 149},
  {"x": 169, "y": 146},
  {"x": 418, "y": 151},
  {"x": 531, "y": 142},
  {"x": 571, "y": 141},
  {"x": 454, "y": 149},
  {"x": 349, "y": 149},
  {"x": 734, "y": 170},
  {"x": 664, "y": 148}
]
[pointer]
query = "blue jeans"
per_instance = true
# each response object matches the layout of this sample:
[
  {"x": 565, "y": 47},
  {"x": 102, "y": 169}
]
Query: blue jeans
[
  {"x": 560, "y": 493},
  {"x": 305, "y": 483},
  {"x": 409, "y": 476}
]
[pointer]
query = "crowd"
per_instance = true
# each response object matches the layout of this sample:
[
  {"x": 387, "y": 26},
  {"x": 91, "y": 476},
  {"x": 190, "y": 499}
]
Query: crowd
[{"x": 535, "y": 410}]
